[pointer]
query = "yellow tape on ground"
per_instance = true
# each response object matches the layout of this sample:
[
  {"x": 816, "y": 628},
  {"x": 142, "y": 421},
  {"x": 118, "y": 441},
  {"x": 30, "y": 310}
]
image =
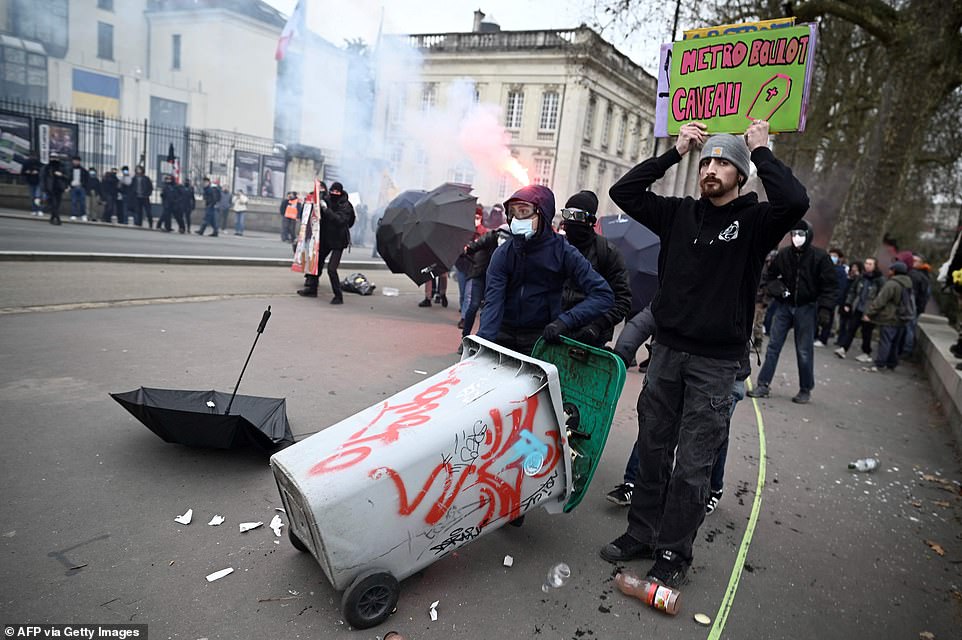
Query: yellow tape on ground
[{"x": 726, "y": 604}]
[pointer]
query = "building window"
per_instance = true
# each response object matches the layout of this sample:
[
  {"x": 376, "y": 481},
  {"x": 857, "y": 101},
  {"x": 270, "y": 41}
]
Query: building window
[
  {"x": 606, "y": 127},
  {"x": 600, "y": 181},
  {"x": 398, "y": 99},
  {"x": 549, "y": 111},
  {"x": 175, "y": 51},
  {"x": 542, "y": 171},
  {"x": 622, "y": 133},
  {"x": 42, "y": 20},
  {"x": 590, "y": 119},
  {"x": 429, "y": 97},
  {"x": 515, "y": 109},
  {"x": 106, "y": 5},
  {"x": 463, "y": 173},
  {"x": 105, "y": 41},
  {"x": 395, "y": 158},
  {"x": 503, "y": 186},
  {"x": 641, "y": 130}
]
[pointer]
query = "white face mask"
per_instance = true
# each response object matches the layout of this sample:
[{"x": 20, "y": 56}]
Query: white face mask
[
  {"x": 798, "y": 241},
  {"x": 522, "y": 227}
]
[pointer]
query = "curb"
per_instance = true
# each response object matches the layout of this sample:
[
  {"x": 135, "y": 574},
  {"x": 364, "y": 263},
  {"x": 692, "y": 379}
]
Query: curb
[{"x": 67, "y": 256}]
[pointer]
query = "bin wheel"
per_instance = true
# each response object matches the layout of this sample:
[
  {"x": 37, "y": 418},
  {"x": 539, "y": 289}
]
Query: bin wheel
[
  {"x": 296, "y": 542},
  {"x": 370, "y": 599}
]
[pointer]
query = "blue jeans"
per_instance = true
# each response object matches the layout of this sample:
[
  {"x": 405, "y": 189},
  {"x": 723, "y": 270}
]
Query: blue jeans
[
  {"x": 717, "y": 471},
  {"x": 239, "y": 222},
  {"x": 909, "y": 341},
  {"x": 462, "y": 291},
  {"x": 889, "y": 344},
  {"x": 803, "y": 319},
  {"x": 683, "y": 414},
  {"x": 78, "y": 201},
  {"x": 36, "y": 198},
  {"x": 210, "y": 218},
  {"x": 769, "y": 316},
  {"x": 474, "y": 292}
]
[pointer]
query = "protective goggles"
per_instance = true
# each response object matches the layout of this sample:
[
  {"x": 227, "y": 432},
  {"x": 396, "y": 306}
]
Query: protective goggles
[
  {"x": 522, "y": 210},
  {"x": 577, "y": 215}
]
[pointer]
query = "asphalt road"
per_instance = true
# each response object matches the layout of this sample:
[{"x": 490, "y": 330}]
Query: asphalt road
[
  {"x": 20, "y": 232},
  {"x": 90, "y": 495}
]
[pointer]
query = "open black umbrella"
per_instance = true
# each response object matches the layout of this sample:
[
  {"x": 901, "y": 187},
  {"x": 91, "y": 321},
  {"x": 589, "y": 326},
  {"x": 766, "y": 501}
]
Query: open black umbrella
[
  {"x": 397, "y": 215},
  {"x": 443, "y": 224},
  {"x": 196, "y": 418},
  {"x": 640, "y": 247},
  {"x": 212, "y": 418}
]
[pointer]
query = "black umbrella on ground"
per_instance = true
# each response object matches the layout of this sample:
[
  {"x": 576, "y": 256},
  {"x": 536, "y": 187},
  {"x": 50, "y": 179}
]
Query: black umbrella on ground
[
  {"x": 398, "y": 213},
  {"x": 443, "y": 224},
  {"x": 195, "y": 418},
  {"x": 640, "y": 247}
]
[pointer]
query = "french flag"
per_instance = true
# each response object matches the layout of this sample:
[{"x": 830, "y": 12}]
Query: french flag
[{"x": 291, "y": 29}]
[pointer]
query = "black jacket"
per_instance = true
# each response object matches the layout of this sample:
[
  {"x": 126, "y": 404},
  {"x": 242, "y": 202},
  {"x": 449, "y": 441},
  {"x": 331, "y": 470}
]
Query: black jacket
[
  {"x": 186, "y": 200},
  {"x": 110, "y": 186},
  {"x": 169, "y": 195},
  {"x": 711, "y": 257},
  {"x": 141, "y": 187},
  {"x": 55, "y": 178},
  {"x": 608, "y": 262},
  {"x": 921, "y": 289},
  {"x": 807, "y": 275},
  {"x": 31, "y": 171},
  {"x": 336, "y": 222},
  {"x": 479, "y": 253}
]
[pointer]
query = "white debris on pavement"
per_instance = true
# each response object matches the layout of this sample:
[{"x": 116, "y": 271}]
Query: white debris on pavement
[
  {"x": 434, "y": 610},
  {"x": 247, "y": 526},
  {"x": 216, "y": 520},
  {"x": 508, "y": 561},
  {"x": 185, "y": 519},
  {"x": 276, "y": 525},
  {"x": 217, "y": 575}
]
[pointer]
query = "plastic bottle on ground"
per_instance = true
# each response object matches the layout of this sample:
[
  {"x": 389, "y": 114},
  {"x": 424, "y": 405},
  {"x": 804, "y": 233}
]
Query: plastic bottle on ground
[
  {"x": 557, "y": 576},
  {"x": 864, "y": 465},
  {"x": 656, "y": 596},
  {"x": 390, "y": 291}
]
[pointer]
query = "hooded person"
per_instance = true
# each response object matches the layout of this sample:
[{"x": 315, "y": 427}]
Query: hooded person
[
  {"x": 712, "y": 251},
  {"x": 526, "y": 277},
  {"x": 578, "y": 219},
  {"x": 803, "y": 282},
  {"x": 337, "y": 218},
  {"x": 860, "y": 295}
]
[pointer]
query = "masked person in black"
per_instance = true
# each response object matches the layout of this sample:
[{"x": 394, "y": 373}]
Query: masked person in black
[
  {"x": 803, "y": 282},
  {"x": 168, "y": 198},
  {"x": 337, "y": 218},
  {"x": 110, "y": 189},
  {"x": 578, "y": 219},
  {"x": 55, "y": 182}
]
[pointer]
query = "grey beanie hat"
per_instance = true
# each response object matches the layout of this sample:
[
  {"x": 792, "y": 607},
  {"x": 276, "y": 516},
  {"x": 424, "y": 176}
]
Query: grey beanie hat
[
  {"x": 899, "y": 267},
  {"x": 728, "y": 147}
]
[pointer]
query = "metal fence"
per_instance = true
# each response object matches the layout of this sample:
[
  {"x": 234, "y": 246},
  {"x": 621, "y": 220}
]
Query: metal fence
[{"x": 105, "y": 142}]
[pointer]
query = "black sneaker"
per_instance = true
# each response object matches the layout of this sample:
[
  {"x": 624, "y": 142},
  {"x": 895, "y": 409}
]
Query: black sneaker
[
  {"x": 425, "y": 303},
  {"x": 307, "y": 293},
  {"x": 624, "y": 548},
  {"x": 714, "y": 497},
  {"x": 444, "y": 301},
  {"x": 337, "y": 300},
  {"x": 621, "y": 494},
  {"x": 761, "y": 391},
  {"x": 802, "y": 397},
  {"x": 669, "y": 569}
]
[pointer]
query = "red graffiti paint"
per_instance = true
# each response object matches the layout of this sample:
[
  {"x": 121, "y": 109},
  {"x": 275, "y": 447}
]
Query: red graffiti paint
[
  {"x": 501, "y": 497},
  {"x": 405, "y": 416}
]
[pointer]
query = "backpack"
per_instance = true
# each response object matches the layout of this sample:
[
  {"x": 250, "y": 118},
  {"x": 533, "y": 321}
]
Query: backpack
[
  {"x": 358, "y": 283},
  {"x": 906, "y": 309}
]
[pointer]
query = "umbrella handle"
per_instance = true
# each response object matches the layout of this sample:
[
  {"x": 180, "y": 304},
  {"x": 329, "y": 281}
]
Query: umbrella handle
[{"x": 264, "y": 319}]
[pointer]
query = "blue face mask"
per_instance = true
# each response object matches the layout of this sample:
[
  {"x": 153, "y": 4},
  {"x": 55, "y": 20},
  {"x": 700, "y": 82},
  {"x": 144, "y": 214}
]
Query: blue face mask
[
  {"x": 522, "y": 227},
  {"x": 834, "y": 259}
]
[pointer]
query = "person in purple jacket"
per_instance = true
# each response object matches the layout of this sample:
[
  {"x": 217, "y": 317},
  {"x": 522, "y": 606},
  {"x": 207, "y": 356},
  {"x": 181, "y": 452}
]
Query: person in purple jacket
[{"x": 712, "y": 250}]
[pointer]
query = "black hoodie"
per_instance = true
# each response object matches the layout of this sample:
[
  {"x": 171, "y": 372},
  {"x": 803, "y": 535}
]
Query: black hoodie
[
  {"x": 806, "y": 274},
  {"x": 711, "y": 257}
]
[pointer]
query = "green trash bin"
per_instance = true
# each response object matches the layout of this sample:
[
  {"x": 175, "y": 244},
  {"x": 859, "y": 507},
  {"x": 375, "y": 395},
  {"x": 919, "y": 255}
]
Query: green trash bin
[{"x": 591, "y": 383}]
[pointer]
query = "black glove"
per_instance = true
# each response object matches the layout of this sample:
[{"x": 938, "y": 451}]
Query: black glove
[
  {"x": 588, "y": 334},
  {"x": 824, "y": 316},
  {"x": 552, "y": 333}
]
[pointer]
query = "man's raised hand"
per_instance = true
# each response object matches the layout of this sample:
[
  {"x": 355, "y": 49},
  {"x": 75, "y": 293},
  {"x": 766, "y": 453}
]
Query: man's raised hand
[
  {"x": 757, "y": 135},
  {"x": 691, "y": 135}
]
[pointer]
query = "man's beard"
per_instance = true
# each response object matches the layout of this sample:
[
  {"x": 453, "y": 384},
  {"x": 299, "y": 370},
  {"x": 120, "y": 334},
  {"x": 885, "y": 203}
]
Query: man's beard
[{"x": 714, "y": 187}]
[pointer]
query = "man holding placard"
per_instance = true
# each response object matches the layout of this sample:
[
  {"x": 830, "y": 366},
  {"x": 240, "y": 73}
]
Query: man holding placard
[{"x": 712, "y": 251}]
